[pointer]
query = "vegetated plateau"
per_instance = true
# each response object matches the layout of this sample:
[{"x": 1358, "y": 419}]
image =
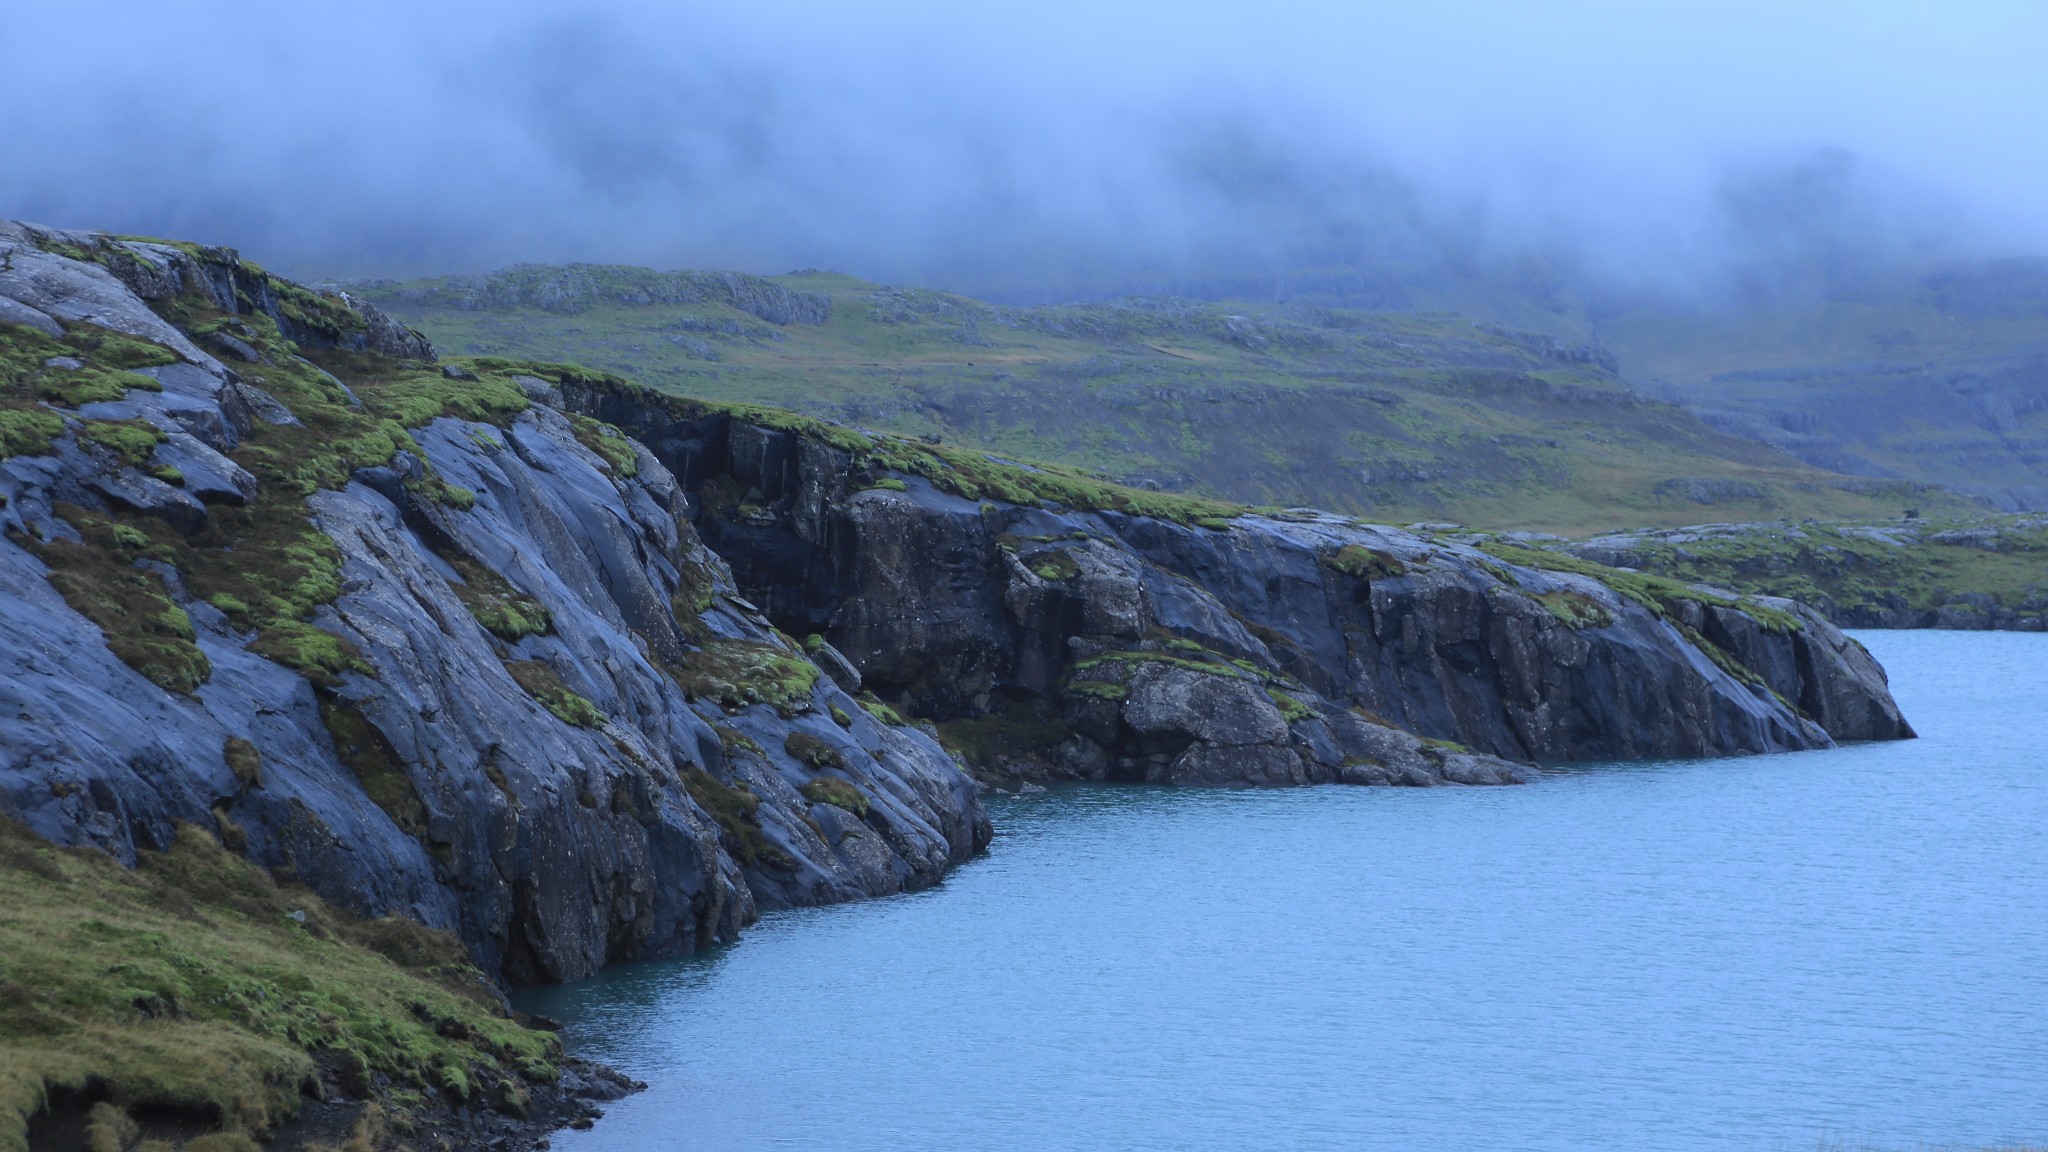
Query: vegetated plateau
[{"x": 1830, "y": 410}]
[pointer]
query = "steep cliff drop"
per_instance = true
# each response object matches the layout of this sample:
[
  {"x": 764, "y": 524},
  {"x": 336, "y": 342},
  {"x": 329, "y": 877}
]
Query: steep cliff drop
[{"x": 440, "y": 641}]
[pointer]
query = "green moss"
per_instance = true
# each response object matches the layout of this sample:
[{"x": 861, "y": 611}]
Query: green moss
[
  {"x": 1291, "y": 709},
  {"x": 1364, "y": 563},
  {"x": 1214, "y": 523},
  {"x": 134, "y": 441},
  {"x": 543, "y": 684},
  {"x": 1055, "y": 565},
  {"x": 1214, "y": 664},
  {"x": 73, "y": 387},
  {"x": 873, "y": 706},
  {"x": 315, "y": 653},
  {"x": 493, "y": 602},
  {"x": 1575, "y": 609},
  {"x": 889, "y": 484},
  {"x": 1656, "y": 593},
  {"x": 28, "y": 431},
  {"x": 736, "y": 812},
  {"x": 836, "y": 792},
  {"x": 739, "y": 673},
  {"x": 413, "y": 397},
  {"x": 244, "y": 760},
  {"x": 1098, "y": 689},
  {"x": 97, "y": 577},
  {"x": 197, "y": 982},
  {"x": 983, "y": 741},
  {"x": 377, "y": 767},
  {"x": 808, "y": 749},
  {"x": 608, "y": 443},
  {"x": 841, "y": 717},
  {"x": 112, "y": 349}
]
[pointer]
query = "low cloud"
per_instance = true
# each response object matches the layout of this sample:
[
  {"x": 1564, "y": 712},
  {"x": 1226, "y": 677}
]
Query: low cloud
[{"x": 1389, "y": 154}]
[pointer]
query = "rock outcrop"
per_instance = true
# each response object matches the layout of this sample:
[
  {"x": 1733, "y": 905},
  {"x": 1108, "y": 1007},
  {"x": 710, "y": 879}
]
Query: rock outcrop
[
  {"x": 1284, "y": 648},
  {"x": 552, "y": 727}
]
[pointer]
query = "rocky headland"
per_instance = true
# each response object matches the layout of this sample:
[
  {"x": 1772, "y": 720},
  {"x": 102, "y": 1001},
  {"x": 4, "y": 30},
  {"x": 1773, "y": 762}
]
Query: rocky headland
[{"x": 569, "y": 672}]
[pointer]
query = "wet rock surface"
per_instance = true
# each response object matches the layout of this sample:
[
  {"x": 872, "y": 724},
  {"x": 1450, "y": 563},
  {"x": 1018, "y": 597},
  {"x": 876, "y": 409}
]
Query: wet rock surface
[
  {"x": 433, "y": 780},
  {"x": 1294, "y": 648}
]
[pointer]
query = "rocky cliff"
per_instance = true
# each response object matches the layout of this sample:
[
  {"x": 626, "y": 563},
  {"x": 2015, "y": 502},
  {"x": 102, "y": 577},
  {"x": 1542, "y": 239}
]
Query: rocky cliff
[
  {"x": 1090, "y": 632},
  {"x": 512, "y": 649},
  {"x": 427, "y": 646}
]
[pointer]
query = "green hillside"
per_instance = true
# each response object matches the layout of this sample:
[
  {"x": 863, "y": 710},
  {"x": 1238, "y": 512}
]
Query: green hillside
[
  {"x": 1397, "y": 417},
  {"x": 1940, "y": 378}
]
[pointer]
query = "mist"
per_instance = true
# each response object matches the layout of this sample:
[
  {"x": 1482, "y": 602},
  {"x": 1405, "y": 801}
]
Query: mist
[{"x": 1384, "y": 154}]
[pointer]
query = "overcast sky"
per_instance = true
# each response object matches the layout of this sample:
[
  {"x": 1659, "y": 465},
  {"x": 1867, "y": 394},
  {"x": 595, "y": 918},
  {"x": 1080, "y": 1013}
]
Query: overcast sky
[{"x": 1012, "y": 144}]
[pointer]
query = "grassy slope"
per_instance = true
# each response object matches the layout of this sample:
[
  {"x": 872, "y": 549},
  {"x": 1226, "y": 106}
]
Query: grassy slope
[
  {"x": 197, "y": 981},
  {"x": 1939, "y": 378},
  {"x": 1958, "y": 567},
  {"x": 1395, "y": 417}
]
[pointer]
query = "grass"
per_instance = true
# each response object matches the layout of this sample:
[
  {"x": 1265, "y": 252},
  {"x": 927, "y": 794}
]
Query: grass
[
  {"x": 142, "y": 626},
  {"x": 982, "y": 741},
  {"x": 737, "y": 813},
  {"x": 1364, "y": 563},
  {"x": 836, "y": 792},
  {"x": 736, "y": 674},
  {"x": 1401, "y": 417},
  {"x": 199, "y": 983},
  {"x": 809, "y": 750},
  {"x": 543, "y": 684},
  {"x": 1862, "y": 573},
  {"x": 1659, "y": 594}
]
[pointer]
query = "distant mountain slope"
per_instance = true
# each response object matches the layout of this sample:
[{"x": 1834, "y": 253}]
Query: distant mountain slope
[
  {"x": 1397, "y": 417},
  {"x": 1940, "y": 377}
]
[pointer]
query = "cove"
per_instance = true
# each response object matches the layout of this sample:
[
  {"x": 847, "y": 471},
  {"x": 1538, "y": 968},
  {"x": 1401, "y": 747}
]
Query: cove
[{"x": 1752, "y": 953}]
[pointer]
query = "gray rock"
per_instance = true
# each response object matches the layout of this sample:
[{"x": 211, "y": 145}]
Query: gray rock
[
  {"x": 234, "y": 346},
  {"x": 550, "y": 847},
  {"x": 130, "y": 489},
  {"x": 13, "y": 311},
  {"x": 209, "y": 476},
  {"x": 77, "y": 292},
  {"x": 954, "y": 606}
]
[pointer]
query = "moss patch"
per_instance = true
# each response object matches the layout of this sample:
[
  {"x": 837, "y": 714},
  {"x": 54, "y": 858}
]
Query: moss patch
[
  {"x": 142, "y": 626},
  {"x": 134, "y": 441},
  {"x": 737, "y": 814},
  {"x": 1054, "y": 565},
  {"x": 610, "y": 444},
  {"x": 1575, "y": 609},
  {"x": 836, "y": 792},
  {"x": 808, "y": 749},
  {"x": 542, "y": 683},
  {"x": 1364, "y": 563},
  {"x": 981, "y": 741},
  {"x": 738, "y": 673},
  {"x": 376, "y": 765},
  {"x": 196, "y": 982},
  {"x": 1659, "y": 594},
  {"x": 873, "y": 706},
  {"x": 1291, "y": 709},
  {"x": 492, "y": 600}
]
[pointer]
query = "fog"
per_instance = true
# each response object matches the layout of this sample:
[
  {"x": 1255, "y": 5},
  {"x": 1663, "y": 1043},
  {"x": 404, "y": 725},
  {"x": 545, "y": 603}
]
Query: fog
[{"x": 1382, "y": 153}]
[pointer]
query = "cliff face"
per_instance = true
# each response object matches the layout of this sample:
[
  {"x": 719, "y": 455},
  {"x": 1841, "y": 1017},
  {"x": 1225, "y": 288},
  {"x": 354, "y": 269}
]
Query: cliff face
[
  {"x": 543, "y": 719},
  {"x": 438, "y": 642},
  {"x": 1283, "y": 648}
]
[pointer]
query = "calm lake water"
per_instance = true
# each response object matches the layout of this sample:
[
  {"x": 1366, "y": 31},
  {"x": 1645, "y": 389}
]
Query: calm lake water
[{"x": 1761, "y": 953}]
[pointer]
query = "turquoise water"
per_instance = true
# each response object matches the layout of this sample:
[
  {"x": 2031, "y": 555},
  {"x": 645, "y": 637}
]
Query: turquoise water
[{"x": 1761, "y": 953}]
